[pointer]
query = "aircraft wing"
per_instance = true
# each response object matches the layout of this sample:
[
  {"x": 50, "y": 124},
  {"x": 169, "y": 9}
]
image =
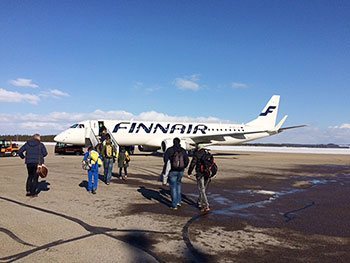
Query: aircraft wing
[
  {"x": 221, "y": 137},
  {"x": 291, "y": 127},
  {"x": 239, "y": 135}
]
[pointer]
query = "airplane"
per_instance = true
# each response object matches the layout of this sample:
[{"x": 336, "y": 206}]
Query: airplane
[{"x": 153, "y": 136}]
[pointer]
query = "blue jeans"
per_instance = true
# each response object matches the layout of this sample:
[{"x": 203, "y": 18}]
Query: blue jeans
[
  {"x": 175, "y": 187},
  {"x": 108, "y": 168},
  {"x": 93, "y": 177}
]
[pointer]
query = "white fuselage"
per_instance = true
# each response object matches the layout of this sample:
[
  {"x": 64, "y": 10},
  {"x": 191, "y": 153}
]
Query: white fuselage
[
  {"x": 152, "y": 134},
  {"x": 155, "y": 135}
]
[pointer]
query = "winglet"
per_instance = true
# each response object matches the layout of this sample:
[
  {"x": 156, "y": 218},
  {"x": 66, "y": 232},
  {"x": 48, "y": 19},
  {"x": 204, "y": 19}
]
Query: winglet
[
  {"x": 278, "y": 128},
  {"x": 279, "y": 125}
]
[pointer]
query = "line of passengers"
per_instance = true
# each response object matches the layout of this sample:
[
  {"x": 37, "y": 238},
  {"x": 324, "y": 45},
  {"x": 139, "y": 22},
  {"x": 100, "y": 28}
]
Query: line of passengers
[
  {"x": 175, "y": 162},
  {"x": 107, "y": 152}
]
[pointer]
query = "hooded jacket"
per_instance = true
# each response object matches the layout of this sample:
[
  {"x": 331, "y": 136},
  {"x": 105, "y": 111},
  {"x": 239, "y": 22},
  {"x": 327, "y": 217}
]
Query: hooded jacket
[
  {"x": 196, "y": 161},
  {"x": 35, "y": 151},
  {"x": 93, "y": 157}
]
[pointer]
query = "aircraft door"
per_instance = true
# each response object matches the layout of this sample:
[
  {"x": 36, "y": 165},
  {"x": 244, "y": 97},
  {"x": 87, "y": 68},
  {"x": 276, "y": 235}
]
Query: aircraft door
[{"x": 101, "y": 127}]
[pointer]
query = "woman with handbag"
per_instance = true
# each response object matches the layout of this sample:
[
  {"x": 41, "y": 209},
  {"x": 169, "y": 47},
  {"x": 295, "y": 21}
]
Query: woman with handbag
[{"x": 35, "y": 151}]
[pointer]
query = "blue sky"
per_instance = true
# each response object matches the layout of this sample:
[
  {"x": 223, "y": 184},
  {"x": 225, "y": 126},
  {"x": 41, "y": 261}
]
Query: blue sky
[{"x": 66, "y": 60}]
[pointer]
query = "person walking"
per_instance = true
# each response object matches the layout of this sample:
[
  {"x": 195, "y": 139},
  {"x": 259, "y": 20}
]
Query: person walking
[
  {"x": 178, "y": 160},
  {"x": 109, "y": 153},
  {"x": 198, "y": 162},
  {"x": 93, "y": 159},
  {"x": 34, "y": 152},
  {"x": 123, "y": 162}
]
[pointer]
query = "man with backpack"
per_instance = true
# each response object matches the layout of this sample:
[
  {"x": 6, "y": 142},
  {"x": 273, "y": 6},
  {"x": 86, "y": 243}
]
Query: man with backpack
[
  {"x": 203, "y": 162},
  {"x": 178, "y": 160},
  {"x": 109, "y": 153}
]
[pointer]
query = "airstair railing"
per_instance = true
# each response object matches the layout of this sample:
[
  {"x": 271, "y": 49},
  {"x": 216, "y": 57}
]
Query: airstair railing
[
  {"x": 114, "y": 142},
  {"x": 91, "y": 139}
]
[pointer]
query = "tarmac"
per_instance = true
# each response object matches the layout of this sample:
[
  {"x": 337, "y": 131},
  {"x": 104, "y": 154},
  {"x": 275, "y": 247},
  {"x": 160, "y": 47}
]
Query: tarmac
[{"x": 266, "y": 207}]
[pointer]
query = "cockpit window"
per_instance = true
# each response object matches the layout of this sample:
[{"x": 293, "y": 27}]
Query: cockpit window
[{"x": 77, "y": 125}]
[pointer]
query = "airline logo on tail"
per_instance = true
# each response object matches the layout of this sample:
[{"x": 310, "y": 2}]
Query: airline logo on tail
[{"x": 269, "y": 110}]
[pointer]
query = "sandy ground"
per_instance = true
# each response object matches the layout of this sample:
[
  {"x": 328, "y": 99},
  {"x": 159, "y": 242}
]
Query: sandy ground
[{"x": 266, "y": 207}]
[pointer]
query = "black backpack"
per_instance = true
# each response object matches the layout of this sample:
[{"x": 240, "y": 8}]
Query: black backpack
[
  {"x": 178, "y": 161},
  {"x": 207, "y": 165}
]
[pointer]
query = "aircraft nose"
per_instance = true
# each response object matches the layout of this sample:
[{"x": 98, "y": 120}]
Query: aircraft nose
[{"x": 60, "y": 137}]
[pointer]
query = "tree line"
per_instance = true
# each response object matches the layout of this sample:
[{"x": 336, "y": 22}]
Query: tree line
[{"x": 23, "y": 138}]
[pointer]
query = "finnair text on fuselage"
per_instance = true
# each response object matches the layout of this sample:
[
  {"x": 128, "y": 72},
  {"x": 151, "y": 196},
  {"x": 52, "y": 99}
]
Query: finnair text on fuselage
[{"x": 136, "y": 127}]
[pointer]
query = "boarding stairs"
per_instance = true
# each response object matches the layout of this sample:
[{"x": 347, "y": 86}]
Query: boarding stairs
[
  {"x": 91, "y": 139},
  {"x": 114, "y": 142}
]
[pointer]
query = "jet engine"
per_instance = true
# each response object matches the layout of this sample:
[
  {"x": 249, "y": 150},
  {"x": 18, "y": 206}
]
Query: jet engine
[
  {"x": 183, "y": 142},
  {"x": 145, "y": 148}
]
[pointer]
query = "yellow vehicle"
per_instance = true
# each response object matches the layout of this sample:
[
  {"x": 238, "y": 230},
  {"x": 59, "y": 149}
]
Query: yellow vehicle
[{"x": 7, "y": 148}]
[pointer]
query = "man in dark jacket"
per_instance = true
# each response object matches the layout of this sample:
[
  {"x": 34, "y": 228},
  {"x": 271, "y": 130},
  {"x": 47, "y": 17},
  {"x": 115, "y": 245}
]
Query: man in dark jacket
[
  {"x": 202, "y": 181},
  {"x": 35, "y": 151},
  {"x": 179, "y": 160}
]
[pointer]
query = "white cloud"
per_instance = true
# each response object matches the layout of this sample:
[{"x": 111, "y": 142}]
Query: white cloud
[
  {"x": 342, "y": 126},
  {"x": 36, "y": 126},
  {"x": 109, "y": 115},
  {"x": 311, "y": 135},
  {"x": 55, "y": 122},
  {"x": 27, "y": 83},
  {"x": 188, "y": 83},
  {"x": 156, "y": 116},
  {"x": 238, "y": 85},
  {"x": 141, "y": 87},
  {"x": 54, "y": 93},
  {"x": 10, "y": 96},
  {"x": 152, "y": 89},
  {"x": 58, "y": 93},
  {"x": 138, "y": 85}
]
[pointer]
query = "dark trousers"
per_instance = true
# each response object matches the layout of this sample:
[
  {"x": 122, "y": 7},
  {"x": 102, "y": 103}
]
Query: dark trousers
[
  {"x": 202, "y": 184},
  {"x": 32, "y": 180},
  {"x": 125, "y": 171}
]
